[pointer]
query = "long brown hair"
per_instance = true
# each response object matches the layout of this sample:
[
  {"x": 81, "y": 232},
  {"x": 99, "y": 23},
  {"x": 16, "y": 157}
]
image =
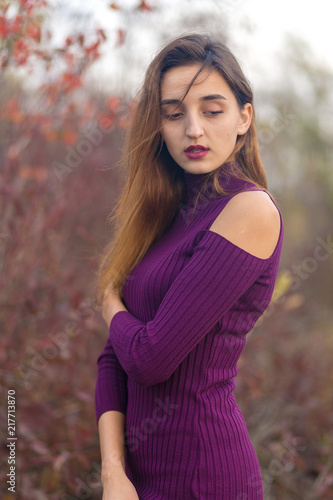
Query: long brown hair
[{"x": 154, "y": 185}]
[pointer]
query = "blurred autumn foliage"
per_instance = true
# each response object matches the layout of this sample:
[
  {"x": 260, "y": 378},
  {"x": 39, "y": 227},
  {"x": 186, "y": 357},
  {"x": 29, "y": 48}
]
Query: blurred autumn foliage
[{"x": 60, "y": 143}]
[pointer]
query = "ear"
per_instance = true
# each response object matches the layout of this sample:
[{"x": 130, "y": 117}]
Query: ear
[{"x": 245, "y": 119}]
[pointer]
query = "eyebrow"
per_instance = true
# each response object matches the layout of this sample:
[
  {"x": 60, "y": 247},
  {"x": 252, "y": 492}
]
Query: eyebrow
[{"x": 211, "y": 97}]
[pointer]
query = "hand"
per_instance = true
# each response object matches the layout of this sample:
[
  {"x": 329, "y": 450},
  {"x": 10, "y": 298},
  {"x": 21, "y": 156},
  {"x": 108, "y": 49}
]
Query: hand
[
  {"x": 111, "y": 305},
  {"x": 119, "y": 487}
]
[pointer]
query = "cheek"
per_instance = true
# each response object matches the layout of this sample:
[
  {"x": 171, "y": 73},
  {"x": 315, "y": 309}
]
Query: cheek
[{"x": 227, "y": 131}]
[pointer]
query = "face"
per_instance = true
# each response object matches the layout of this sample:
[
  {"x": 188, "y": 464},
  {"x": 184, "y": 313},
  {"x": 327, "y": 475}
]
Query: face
[{"x": 201, "y": 132}]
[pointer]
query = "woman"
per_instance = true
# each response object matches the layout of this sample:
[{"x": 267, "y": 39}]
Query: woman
[{"x": 192, "y": 267}]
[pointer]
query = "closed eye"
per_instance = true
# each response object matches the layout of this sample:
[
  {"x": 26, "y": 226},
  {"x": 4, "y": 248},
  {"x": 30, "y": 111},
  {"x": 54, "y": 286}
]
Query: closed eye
[
  {"x": 172, "y": 117},
  {"x": 175, "y": 116}
]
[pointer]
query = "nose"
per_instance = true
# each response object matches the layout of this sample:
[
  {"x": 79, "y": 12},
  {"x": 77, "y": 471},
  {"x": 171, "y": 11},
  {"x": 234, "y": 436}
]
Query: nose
[{"x": 193, "y": 127}]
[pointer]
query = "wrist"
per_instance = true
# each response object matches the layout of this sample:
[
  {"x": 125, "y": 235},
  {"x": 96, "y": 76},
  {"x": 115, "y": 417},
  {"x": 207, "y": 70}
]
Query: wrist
[
  {"x": 111, "y": 475},
  {"x": 111, "y": 310},
  {"x": 112, "y": 464}
]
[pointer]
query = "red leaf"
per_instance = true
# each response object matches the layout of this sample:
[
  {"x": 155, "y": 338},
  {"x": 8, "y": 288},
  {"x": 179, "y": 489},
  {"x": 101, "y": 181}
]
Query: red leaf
[
  {"x": 102, "y": 34},
  {"x": 70, "y": 137},
  {"x": 16, "y": 24},
  {"x": 50, "y": 135},
  {"x": 106, "y": 121},
  {"x": 121, "y": 37},
  {"x": 36, "y": 173},
  {"x": 3, "y": 27},
  {"x": 32, "y": 31},
  {"x": 113, "y": 103},
  {"x": 12, "y": 111},
  {"x": 93, "y": 48},
  {"x": 70, "y": 81},
  {"x": 144, "y": 6},
  {"x": 114, "y": 6},
  {"x": 21, "y": 52},
  {"x": 67, "y": 78},
  {"x": 4, "y": 62},
  {"x": 30, "y": 10}
]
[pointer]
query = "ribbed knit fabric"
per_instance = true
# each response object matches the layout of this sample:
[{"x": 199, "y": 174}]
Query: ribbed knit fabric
[{"x": 169, "y": 363}]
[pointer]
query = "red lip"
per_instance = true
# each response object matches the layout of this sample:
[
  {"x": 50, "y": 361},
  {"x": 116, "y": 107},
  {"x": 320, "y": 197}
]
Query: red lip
[
  {"x": 196, "y": 152},
  {"x": 196, "y": 146}
]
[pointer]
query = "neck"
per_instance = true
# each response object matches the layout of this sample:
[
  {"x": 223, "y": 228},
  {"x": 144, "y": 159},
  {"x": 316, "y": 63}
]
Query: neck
[{"x": 194, "y": 182}]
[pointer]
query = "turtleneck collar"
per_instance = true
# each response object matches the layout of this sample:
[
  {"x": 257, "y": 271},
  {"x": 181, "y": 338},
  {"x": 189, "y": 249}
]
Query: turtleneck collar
[{"x": 194, "y": 182}]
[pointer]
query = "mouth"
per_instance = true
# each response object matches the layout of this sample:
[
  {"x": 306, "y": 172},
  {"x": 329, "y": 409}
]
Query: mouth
[
  {"x": 195, "y": 149},
  {"x": 196, "y": 152}
]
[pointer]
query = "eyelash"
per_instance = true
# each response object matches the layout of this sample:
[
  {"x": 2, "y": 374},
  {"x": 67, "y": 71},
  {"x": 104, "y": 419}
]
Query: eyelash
[{"x": 177, "y": 115}]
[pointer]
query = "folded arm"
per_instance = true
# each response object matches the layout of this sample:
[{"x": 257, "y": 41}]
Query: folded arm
[{"x": 215, "y": 277}]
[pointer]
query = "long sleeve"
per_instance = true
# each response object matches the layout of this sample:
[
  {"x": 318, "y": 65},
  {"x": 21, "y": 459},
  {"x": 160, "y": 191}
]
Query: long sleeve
[
  {"x": 111, "y": 383},
  {"x": 214, "y": 278}
]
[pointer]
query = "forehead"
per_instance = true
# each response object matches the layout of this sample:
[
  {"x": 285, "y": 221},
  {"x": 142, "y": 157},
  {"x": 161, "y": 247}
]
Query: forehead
[{"x": 176, "y": 81}]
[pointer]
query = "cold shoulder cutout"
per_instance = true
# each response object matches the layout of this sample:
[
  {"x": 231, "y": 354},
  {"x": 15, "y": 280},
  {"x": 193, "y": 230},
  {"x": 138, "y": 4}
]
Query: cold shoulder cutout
[{"x": 252, "y": 221}]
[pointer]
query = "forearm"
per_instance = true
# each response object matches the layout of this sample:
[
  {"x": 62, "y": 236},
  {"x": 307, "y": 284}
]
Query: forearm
[
  {"x": 214, "y": 279},
  {"x": 111, "y": 383},
  {"x": 111, "y": 428}
]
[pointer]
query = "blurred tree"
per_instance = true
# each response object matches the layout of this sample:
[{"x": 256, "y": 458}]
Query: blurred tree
[
  {"x": 58, "y": 132},
  {"x": 55, "y": 134},
  {"x": 296, "y": 139}
]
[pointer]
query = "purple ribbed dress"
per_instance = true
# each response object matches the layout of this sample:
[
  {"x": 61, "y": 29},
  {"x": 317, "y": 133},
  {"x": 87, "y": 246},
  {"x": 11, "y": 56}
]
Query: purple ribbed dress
[{"x": 169, "y": 363}]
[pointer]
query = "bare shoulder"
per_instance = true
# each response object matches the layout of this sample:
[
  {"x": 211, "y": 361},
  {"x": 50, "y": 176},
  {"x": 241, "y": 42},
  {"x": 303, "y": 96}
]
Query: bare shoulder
[{"x": 251, "y": 221}]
